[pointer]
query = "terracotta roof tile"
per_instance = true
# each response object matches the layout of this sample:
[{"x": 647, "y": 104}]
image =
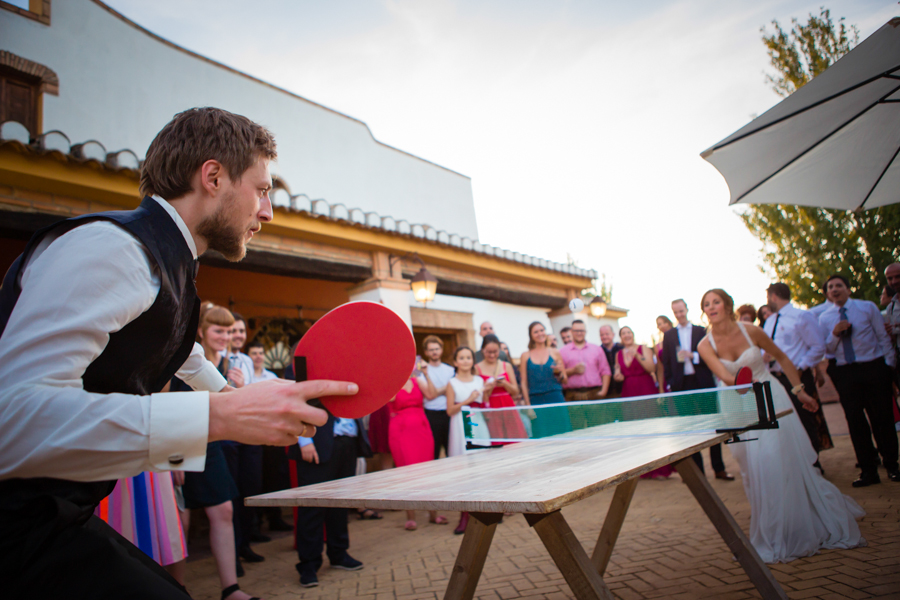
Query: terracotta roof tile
[{"x": 58, "y": 145}]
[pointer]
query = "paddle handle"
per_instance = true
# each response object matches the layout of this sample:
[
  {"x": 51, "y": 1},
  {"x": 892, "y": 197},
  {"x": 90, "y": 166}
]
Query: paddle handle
[{"x": 301, "y": 375}]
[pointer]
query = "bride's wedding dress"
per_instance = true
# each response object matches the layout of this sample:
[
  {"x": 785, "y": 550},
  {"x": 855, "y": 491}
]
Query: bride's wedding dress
[{"x": 794, "y": 510}]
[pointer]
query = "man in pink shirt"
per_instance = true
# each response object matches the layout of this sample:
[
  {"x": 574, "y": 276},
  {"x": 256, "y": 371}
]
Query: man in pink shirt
[{"x": 588, "y": 372}]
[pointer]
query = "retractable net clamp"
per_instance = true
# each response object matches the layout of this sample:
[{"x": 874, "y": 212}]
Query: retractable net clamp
[{"x": 766, "y": 408}]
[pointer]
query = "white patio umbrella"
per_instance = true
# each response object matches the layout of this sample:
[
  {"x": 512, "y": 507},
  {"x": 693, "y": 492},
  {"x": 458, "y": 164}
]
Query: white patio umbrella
[{"x": 833, "y": 143}]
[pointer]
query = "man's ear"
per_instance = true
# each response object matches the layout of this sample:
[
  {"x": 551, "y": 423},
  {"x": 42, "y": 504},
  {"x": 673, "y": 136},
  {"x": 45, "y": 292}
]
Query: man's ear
[{"x": 212, "y": 174}]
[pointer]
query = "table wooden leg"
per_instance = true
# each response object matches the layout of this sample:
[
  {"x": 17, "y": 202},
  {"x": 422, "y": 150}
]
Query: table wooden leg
[
  {"x": 615, "y": 516},
  {"x": 470, "y": 560},
  {"x": 569, "y": 556},
  {"x": 728, "y": 528}
]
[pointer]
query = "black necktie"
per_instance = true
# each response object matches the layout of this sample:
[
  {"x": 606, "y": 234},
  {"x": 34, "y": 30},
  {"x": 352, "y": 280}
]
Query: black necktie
[{"x": 774, "y": 329}]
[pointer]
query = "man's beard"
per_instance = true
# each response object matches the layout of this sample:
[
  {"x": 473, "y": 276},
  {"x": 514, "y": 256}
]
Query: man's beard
[{"x": 221, "y": 236}]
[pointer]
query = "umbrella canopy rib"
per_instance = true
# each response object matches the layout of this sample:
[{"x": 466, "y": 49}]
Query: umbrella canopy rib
[
  {"x": 731, "y": 140},
  {"x": 881, "y": 176},
  {"x": 882, "y": 100}
]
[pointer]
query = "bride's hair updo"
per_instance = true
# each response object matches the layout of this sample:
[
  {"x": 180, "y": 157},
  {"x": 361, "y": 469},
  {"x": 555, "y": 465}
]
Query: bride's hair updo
[{"x": 727, "y": 300}]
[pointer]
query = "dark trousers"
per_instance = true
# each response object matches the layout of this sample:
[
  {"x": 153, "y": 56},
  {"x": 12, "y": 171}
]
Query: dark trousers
[
  {"x": 245, "y": 464},
  {"x": 715, "y": 452},
  {"x": 865, "y": 389},
  {"x": 439, "y": 421},
  {"x": 813, "y": 422},
  {"x": 317, "y": 526},
  {"x": 52, "y": 549},
  {"x": 275, "y": 477}
]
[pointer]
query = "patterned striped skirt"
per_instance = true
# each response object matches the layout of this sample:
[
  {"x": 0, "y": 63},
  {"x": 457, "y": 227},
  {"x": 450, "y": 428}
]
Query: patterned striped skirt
[{"x": 143, "y": 510}]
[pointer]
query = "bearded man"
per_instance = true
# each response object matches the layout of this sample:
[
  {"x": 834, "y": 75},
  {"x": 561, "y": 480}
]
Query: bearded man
[{"x": 96, "y": 315}]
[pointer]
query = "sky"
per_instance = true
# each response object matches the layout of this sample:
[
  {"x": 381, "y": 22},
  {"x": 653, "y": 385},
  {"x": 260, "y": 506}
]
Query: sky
[{"x": 580, "y": 123}]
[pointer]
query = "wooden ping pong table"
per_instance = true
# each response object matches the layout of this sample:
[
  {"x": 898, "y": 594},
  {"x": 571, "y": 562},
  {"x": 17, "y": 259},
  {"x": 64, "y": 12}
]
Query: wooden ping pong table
[{"x": 538, "y": 478}]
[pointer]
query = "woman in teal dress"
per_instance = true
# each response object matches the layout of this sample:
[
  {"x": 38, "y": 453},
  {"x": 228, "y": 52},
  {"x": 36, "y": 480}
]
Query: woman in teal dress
[{"x": 542, "y": 374}]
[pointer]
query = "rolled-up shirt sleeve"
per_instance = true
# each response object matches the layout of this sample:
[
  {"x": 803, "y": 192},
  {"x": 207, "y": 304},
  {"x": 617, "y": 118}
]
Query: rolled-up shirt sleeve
[
  {"x": 85, "y": 285},
  {"x": 199, "y": 373}
]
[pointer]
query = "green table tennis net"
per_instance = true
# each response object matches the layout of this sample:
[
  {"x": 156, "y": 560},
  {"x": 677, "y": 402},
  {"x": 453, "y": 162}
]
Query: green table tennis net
[{"x": 678, "y": 413}]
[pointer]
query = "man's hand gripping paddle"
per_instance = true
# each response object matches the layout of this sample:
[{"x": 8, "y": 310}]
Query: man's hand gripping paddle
[{"x": 362, "y": 342}]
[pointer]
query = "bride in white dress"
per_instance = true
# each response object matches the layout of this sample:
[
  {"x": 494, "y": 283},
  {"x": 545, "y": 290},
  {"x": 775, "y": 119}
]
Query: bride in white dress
[{"x": 795, "y": 511}]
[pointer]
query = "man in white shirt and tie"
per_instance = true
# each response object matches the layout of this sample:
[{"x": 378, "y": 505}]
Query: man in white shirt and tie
[
  {"x": 796, "y": 333},
  {"x": 854, "y": 333},
  {"x": 95, "y": 317},
  {"x": 236, "y": 357}
]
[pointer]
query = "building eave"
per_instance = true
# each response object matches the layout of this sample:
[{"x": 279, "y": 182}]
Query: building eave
[{"x": 112, "y": 178}]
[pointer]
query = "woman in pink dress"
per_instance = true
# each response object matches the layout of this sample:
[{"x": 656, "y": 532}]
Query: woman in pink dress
[
  {"x": 634, "y": 368},
  {"x": 499, "y": 388},
  {"x": 410, "y": 437}
]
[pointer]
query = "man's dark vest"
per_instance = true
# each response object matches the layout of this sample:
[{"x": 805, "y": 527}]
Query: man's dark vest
[{"x": 142, "y": 356}]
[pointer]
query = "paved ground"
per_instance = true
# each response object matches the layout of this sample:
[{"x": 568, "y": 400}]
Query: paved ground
[{"x": 667, "y": 549}]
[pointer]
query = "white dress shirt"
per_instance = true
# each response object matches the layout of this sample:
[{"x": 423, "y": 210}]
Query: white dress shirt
[
  {"x": 77, "y": 289},
  {"x": 266, "y": 375},
  {"x": 685, "y": 340},
  {"x": 820, "y": 308},
  {"x": 797, "y": 335},
  {"x": 867, "y": 334},
  {"x": 242, "y": 362},
  {"x": 342, "y": 426},
  {"x": 440, "y": 376}
]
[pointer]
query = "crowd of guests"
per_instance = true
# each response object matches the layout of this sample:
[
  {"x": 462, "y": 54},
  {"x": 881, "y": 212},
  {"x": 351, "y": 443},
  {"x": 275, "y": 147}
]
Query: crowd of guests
[{"x": 847, "y": 340}]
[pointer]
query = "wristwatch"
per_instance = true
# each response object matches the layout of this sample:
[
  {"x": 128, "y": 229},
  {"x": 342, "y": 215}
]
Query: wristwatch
[{"x": 797, "y": 389}]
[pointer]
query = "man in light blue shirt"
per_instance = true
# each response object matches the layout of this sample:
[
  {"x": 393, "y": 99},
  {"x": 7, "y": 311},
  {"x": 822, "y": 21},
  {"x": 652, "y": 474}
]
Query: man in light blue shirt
[
  {"x": 796, "y": 333},
  {"x": 854, "y": 334}
]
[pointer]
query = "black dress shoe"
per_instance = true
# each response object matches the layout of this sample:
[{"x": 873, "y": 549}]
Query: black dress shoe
[
  {"x": 308, "y": 580},
  {"x": 348, "y": 563},
  {"x": 250, "y": 556},
  {"x": 894, "y": 474},
  {"x": 724, "y": 475},
  {"x": 866, "y": 479}
]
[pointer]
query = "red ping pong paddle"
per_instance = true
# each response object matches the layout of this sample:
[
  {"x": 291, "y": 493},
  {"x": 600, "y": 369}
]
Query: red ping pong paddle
[
  {"x": 744, "y": 376},
  {"x": 362, "y": 342}
]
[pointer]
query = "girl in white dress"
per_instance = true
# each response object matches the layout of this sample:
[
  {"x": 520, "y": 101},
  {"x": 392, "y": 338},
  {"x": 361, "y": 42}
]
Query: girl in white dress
[
  {"x": 464, "y": 389},
  {"x": 794, "y": 510}
]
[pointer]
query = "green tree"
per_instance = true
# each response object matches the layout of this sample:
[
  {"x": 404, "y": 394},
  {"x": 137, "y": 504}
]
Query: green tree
[
  {"x": 599, "y": 287},
  {"x": 802, "y": 246}
]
